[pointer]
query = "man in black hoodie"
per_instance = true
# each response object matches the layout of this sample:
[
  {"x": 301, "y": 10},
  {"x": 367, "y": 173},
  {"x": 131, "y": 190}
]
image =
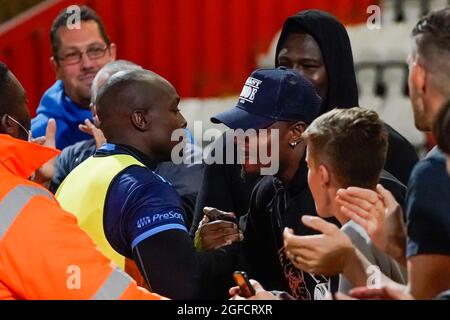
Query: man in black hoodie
[{"x": 316, "y": 44}]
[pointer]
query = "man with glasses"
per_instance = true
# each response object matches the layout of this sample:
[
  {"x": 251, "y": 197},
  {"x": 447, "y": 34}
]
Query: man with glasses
[{"x": 78, "y": 54}]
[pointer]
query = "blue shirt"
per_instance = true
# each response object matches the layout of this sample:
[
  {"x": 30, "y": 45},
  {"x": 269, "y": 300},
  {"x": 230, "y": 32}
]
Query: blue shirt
[
  {"x": 139, "y": 203},
  {"x": 68, "y": 115},
  {"x": 428, "y": 207}
]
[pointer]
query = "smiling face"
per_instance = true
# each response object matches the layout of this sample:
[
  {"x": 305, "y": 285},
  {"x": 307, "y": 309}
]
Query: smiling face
[
  {"x": 302, "y": 53},
  {"x": 250, "y": 148},
  {"x": 77, "y": 78}
]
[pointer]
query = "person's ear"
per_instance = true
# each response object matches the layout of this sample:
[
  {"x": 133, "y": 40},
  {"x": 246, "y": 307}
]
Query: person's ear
[
  {"x": 419, "y": 77},
  {"x": 113, "y": 50},
  {"x": 93, "y": 108},
  {"x": 296, "y": 131},
  {"x": 6, "y": 126},
  {"x": 55, "y": 66},
  {"x": 140, "y": 119},
  {"x": 324, "y": 176}
]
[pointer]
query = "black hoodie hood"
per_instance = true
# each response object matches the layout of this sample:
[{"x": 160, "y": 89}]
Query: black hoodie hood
[{"x": 334, "y": 43}]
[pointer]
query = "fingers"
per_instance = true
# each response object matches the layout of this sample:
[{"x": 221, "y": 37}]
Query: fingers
[
  {"x": 226, "y": 241},
  {"x": 217, "y": 234},
  {"x": 355, "y": 217},
  {"x": 287, "y": 234},
  {"x": 384, "y": 293},
  {"x": 233, "y": 291},
  {"x": 50, "y": 133},
  {"x": 84, "y": 129},
  {"x": 364, "y": 293},
  {"x": 256, "y": 285},
  {"x": 204, "y": 220},
  {"x": 292, "y": 241},
  {"x": 40, "y": 140},
  {"x": 364, "y": 213},
  {"x": 364, "y": 203},
  {"x": 304, "y": 263},
  {"x": 318, "y": 224},
  {"x": 88, "y": 127},
  {"x": 388, "y": 198},
  {"x": 220, "y": 226},
  {"x": 297, "y": 255},
  {"x": 361, "y": 193},
  {"x": 99, "y": 137},
  {"x": 342, "y": 296},
  {"x": 216, "y": 214}
]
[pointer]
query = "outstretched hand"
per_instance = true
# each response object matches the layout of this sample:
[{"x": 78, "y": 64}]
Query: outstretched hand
[
  {"x": 379, "y": 214},
  {"x": 45, "y": 173},
  {"x": 214, "y": 234},
  {"x": 325, "y": 254},
  {"x": 89, "y": 128}
]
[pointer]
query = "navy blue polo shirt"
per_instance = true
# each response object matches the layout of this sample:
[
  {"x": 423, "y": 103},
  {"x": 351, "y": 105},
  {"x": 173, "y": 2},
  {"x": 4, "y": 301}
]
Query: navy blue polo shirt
[
  {"x": 428, "y": 207},
  {"x": 139, "y": 203}
]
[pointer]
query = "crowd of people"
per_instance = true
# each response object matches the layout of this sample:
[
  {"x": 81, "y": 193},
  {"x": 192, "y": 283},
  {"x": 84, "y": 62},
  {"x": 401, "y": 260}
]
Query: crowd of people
[{"x": 92, "y": 205}]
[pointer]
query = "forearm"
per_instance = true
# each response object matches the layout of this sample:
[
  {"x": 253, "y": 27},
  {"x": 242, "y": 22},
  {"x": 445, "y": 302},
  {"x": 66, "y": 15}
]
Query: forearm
[
  {"x": 358, "y": 269},
  {"x": 355, "y": 268},
  {"x": 397, "y": 250},
  {"x": 174, "y": 269}
]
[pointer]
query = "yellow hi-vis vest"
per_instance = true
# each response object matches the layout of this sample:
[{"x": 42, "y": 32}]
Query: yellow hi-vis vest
[{"x": 83, "y": 193}]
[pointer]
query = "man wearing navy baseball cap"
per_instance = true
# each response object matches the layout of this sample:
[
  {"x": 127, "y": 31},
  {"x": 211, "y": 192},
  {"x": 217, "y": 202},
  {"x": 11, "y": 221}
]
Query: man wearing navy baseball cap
[
  {"x": 284, "y": 101},
  {"x": 271, "y": 95},
  {"x": 281, "y": 101}
]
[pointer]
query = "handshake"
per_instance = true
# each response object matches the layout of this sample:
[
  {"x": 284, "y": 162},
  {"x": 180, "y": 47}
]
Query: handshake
[{"x": 216, "y": 230}]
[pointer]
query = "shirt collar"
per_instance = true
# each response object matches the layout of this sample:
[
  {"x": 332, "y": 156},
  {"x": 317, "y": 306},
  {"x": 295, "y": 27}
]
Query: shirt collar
[
  {"x": 111, "y": 148},
  {"x": 298, "y": 183}
]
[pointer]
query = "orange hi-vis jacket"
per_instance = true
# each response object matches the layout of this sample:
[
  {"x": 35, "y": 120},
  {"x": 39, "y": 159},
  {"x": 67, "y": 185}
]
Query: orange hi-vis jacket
[{"x": 43, "y": 252}]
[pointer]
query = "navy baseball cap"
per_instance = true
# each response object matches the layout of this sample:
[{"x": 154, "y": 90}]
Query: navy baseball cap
[{"x": 271, "y": 95}]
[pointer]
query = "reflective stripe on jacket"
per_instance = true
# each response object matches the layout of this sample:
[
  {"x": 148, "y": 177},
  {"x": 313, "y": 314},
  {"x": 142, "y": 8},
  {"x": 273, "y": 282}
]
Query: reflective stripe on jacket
[{"x": 43, "y": 252}]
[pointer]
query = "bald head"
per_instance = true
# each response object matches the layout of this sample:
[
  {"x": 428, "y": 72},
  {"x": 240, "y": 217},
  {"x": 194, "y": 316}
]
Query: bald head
[
  {"x": 127, "y": 91},
  {"x": 109, "y": 70},
  {"x": 140, "y": 109}
]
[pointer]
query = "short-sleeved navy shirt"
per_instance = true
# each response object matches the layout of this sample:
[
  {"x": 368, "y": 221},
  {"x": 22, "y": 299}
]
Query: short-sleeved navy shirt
[
  {"x": 428, "y": 207},
  {"x": 139, "y": 203}
]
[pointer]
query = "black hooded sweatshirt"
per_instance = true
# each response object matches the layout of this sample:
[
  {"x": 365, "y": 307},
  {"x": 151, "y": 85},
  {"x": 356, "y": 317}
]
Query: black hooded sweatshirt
[{"x": 334, "y": 44}]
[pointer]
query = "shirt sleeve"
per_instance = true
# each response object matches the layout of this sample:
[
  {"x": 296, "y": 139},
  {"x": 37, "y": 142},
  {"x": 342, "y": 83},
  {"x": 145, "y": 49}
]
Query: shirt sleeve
[
  {"x": 61, "y": 169},
  {"x": 142, "y": 204},
  {"x": 428, "y": 209}
]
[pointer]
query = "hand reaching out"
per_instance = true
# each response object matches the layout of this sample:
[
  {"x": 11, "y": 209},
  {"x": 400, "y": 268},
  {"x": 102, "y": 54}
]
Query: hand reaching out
[
  {"x": 45, "y": 173},
  {"x": 260, "y": 293},
  {"x": 326, "y": 254},
  {"x": 214, "y": 234},
  {"x": 379, "y": 214},
  {"x": 89, "y": 128}
]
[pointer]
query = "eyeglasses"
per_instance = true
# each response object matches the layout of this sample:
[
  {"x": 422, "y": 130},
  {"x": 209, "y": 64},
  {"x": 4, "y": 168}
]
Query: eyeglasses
[
  {"x": 93, "y": 53},
  {"x": 28, "y": 132}
]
